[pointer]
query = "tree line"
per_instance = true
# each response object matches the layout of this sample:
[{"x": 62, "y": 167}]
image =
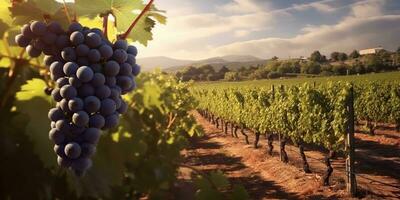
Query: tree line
[{"x": 339, "y": 63}]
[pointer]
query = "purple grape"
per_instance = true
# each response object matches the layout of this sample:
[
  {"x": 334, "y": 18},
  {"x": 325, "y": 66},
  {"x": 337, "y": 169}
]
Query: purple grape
[
  {"x": 61, "y": 82},
  {"x": 136, "y": 70},
  {"x": 74, "y": 81},
  {"x": 91, "y": 135},
  {"x": 22, "y": 40},
  {"x": 82, "y": 50},
  {"x": 56, "y": 94},
  {"x": 96, "y": 121},
  {"x": 111, "y": 68},
  {"x": 85, "y": 74},
  {"x": 125, "y": 69},
  {"x": 63, "y": 104},
  {"x": 80, "y": 118},
  {"x": 49, "y": 38},
  {"x": 123, "y": 108},
  {"x": 64, "y": 162},
  {"x": 62, "y": 41},
  {"x": 81, "y": 165},
  {"x": 111, "y": 81},
  {"x": 120, "y": 56},
  {"x": 92, "y": 104},
  {"x": 103, "y": 92},
  {"x": 70, "y": 68},
  {"x": 86, "y": 90},
  {"x": 106, "y": 51},
  {"x": 38, "y": 28},
  {"x": 97, "y": 31},
  {"x": 94, "y": 56},
  {"x": 72, "y": 150},
  {"x": 68, "y": 92},
  {"x": 32, "y": 51},
  {"x": 63, "y": 125},
  {"x": 108, "y": 107},
  {"x": 98, "y": 80},
  {"x": 93, "y": 40},
  {"x": 131, "y": 60},
  {"x": 132, "y": 50},
  {"x": 56, "y": 70},
  {"x": 97, "y": 68},
  {"x": 55, "y": 27},
  {"x": 88, "y": 150},
  {"x": 77, "y": 38},
  {"x": 111, "y": 121},
  {"x": 74, "y": 26},
  {"x": 59, "y": 150},
  {"x": 26, "y": 31},
  {"x": 121, "y": 44},
  {"x": 68, "y": 54},
  {"x": 75, "y": 104},
  {"x": 56, "y": 136},
  {"x": 55, "y": 114}
]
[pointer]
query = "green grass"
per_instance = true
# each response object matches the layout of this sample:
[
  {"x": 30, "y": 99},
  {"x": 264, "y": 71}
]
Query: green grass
[{"x": 358, "y": 79}]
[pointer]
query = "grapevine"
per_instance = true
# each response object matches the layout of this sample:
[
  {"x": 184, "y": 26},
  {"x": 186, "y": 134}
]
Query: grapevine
[{"x": 90, "y": 74}]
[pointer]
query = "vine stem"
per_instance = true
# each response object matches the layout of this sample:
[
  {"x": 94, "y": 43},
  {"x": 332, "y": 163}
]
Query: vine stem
[
  {"x": 66, "y": 11},
  {"x": 105, "y": 25},
  {"x": 147, "y": 8}
]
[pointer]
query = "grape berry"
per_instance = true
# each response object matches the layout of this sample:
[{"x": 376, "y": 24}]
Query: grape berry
[{"x": 90, "y": 74}]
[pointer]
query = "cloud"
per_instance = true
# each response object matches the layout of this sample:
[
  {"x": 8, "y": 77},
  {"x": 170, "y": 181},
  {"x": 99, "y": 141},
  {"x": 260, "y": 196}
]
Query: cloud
[
  {"x": 322, "y": 6},
  {"x": 368, "y": 8},
  {"x": 352, "y": 33},
  {"x": 241, "y": 6}
]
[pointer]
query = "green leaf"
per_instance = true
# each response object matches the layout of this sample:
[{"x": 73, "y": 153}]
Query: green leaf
[
  {"x": 239, "y": 193},
  {"x": 26, "y": 11},
  {"x": 3, "y": 28},
  {"x": 34, "y": 103},
  {"x": 48, "y": 6},
  {"x": 219, "y": 179},
  {"x": 125, "y": 12}
]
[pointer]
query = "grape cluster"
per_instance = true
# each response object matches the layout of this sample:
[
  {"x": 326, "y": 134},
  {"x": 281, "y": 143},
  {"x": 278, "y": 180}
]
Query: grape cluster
[{"x": 90, "y": 75}]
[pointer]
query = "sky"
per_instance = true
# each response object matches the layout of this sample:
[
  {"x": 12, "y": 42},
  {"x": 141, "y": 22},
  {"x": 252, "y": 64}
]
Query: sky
[{"x": 199, "y": 29}]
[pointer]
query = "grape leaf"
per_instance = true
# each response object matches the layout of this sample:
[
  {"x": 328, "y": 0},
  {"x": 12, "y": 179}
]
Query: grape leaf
[
  {"x": 3, "y": 28},
  {"x": 125, "y": 12},
  {"x": 5, "y": 12},
  {"x": 29, "y": 100},
  {"x": 48, "y": 6},
  {"x": 26, "y": 11}
]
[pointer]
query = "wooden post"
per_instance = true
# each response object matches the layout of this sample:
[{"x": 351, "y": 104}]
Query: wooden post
[{"x": 351, "y": 183}]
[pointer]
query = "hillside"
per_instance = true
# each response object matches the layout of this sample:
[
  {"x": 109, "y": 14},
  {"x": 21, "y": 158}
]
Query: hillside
[{"x": 171, "y": 64}]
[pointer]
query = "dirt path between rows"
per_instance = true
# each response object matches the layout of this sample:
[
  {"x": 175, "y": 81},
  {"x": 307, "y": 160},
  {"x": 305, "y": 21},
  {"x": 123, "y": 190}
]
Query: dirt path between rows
[{"x": 266, "y": 177}]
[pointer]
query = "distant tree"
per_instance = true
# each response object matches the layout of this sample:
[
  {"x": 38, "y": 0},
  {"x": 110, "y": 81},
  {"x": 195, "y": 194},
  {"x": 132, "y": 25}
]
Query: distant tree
[
  {"x": 342, "y": 57},
  {"x": 398, "y": 50},
  {"x": 273, "y": 65},
  {"x": 335, "y": 56},
  {"x": 274, "y": 58},
  {"x": 373, "y": 63},
  {"x": 206, "y": 69},
  {"x": 232, "y": 76},
  {"x": 311, "y": 68},
  {"x": 340, "y": 69},
  {"x": 354, "y": 54},
  {"x": 274, "y": 75},
  {"x": 285, "y": 67},
  {"x": 223, "y": 70},
  {"x": 261, "y": 73},
  {"x": 357, "y": 68},
  {"x": 316, "y": 56}
]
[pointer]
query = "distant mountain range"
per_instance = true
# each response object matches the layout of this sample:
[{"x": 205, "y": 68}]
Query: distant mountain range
[{"x": 170, "y": 64}]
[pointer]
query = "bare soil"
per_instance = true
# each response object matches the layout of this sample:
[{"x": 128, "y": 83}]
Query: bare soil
[{"x": 266, "y": 177}]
